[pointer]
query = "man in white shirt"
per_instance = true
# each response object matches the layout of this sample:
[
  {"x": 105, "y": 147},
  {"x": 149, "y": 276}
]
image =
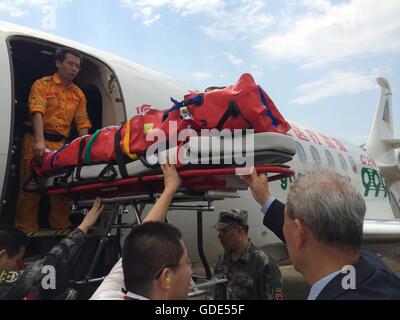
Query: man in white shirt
[{"x": 112, "y": 286}]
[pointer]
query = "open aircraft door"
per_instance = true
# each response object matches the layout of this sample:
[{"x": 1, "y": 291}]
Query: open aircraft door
[{"x": 6, "y": 118}]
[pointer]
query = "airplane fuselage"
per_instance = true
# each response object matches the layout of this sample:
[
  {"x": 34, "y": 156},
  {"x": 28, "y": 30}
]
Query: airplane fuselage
[{"x": 122, "y": 86}]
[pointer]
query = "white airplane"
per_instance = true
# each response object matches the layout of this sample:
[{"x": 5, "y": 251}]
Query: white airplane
[{"x": 115, "y": 87}]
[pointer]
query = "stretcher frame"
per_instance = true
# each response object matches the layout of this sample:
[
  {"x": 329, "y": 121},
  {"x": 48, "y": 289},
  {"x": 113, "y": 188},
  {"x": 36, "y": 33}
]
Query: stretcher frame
[
  {"x": 139, "y": 202},
  {"x": 157, "y": 179}
]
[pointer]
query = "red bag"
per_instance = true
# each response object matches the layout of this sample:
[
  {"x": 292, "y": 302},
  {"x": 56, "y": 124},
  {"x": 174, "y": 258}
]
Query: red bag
[
  {"x": 100, "y": 146},
  {"x": 56, "y": 162},
  {"x": 68, "y": 155},
  {"x": 139, "y": 132},
  {"x": 244, "y": 105},
  {"x": 96, "y": 148}
]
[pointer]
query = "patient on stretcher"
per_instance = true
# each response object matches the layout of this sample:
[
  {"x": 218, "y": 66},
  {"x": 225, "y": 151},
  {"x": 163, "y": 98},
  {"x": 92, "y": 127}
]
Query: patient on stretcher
[{"x": 208, "y": 136}]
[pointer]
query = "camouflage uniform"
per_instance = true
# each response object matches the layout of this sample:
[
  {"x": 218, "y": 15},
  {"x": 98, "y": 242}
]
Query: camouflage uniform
[
  {"x": 16, "y": 285},
  {"x": 254, "y": 276}
]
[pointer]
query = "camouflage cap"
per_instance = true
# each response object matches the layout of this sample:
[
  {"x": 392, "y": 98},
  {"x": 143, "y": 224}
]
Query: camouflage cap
[{"x": 231, "y": 217}]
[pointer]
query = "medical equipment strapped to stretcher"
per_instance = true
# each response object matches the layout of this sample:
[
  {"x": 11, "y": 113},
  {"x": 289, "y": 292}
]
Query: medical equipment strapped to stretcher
[
  {"x": 248, "y": 131},
  {"x": 217, "y": 169}
]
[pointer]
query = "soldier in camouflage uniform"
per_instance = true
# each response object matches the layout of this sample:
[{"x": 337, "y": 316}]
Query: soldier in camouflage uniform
[
  {"x": 250, "y": 272},
  {"x": 17, "y": 285}
]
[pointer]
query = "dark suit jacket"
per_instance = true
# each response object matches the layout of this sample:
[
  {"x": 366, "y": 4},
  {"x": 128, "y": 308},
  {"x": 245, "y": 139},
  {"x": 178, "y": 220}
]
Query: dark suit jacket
[{"x": 373, "y": 279}]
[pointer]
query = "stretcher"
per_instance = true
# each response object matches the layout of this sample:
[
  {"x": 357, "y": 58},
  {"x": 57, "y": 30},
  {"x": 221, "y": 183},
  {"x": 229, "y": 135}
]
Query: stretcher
[
  {"x": 202, "y": 185},
  {"x": 215, "y": 169}
]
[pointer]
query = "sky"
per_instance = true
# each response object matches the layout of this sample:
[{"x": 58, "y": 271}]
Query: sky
[{"x": 317, "y": 59}]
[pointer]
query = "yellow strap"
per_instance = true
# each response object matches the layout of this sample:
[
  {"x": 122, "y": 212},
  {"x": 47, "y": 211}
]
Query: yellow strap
[{"x": 133, "y": 156}]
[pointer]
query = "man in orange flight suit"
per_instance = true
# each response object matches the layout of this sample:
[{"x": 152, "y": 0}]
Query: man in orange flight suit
[{"x": 54, "y": 102}]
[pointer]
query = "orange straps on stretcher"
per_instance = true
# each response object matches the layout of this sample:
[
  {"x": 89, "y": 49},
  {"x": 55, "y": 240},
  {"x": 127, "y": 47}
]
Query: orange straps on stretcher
[{"x": 127, "y": 137}]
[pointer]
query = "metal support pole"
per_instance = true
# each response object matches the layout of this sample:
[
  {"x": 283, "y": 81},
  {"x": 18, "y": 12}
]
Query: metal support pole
[
  {"x": 200, "y": 244},
  {"x": 138, "y": 211},
  {"x": 103, "y": 241},
  {"x": 119, "y": 233},
  {"x": 138, "y": 204}
]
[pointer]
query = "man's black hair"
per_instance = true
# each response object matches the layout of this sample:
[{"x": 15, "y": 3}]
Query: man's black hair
[
  {"x": 12, "y": 240},
  {"x": 148, "y": 249},
  {"x": 61, "y": 54}
]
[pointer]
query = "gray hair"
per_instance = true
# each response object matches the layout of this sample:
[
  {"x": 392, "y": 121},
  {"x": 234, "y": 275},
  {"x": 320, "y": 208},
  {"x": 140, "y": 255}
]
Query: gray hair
[{"x": 330, "y": 206}]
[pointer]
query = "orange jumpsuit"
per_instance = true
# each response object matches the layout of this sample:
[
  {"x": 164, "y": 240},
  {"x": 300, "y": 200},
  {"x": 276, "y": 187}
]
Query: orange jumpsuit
[{"x": 59, "y": 107}]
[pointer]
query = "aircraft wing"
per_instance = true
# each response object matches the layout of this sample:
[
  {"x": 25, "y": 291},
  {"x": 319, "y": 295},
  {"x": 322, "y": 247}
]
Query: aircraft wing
[
  {"x": 383, "y": 237},
  {"x": 382, "y": 231}
]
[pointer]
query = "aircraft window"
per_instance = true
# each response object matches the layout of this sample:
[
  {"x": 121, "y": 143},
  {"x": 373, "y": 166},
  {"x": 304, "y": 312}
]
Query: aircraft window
[
  {"x": 353, "y": 164},
  {"x": 343, "y": 162},
  {"x": 315, "y": 155},
  {"x": 329, "y": 157},
  {"x": 301, "y": 152}
]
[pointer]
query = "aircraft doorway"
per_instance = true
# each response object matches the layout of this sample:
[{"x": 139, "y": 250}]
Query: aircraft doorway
[{"x": 32, "y": 59}]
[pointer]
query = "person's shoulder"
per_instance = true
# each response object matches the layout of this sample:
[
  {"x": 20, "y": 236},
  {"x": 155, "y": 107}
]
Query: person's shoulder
[
  {"x": 381, "y": 286},
  {"x": 257, "y": 252},
  {"x": 263, "y": 258},
  {"x": 78, "y": 91},
  {"x": 375, "y": 283},
  {"x": 43, "y": 81},
  {"x": 385, "y": 279},
  {"x": 109, "y": 295},
  {"x": 373, "y": 259}
]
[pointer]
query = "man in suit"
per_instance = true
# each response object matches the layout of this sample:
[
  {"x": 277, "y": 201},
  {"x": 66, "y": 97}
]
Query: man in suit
[{"x": 322, "y": 226}]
